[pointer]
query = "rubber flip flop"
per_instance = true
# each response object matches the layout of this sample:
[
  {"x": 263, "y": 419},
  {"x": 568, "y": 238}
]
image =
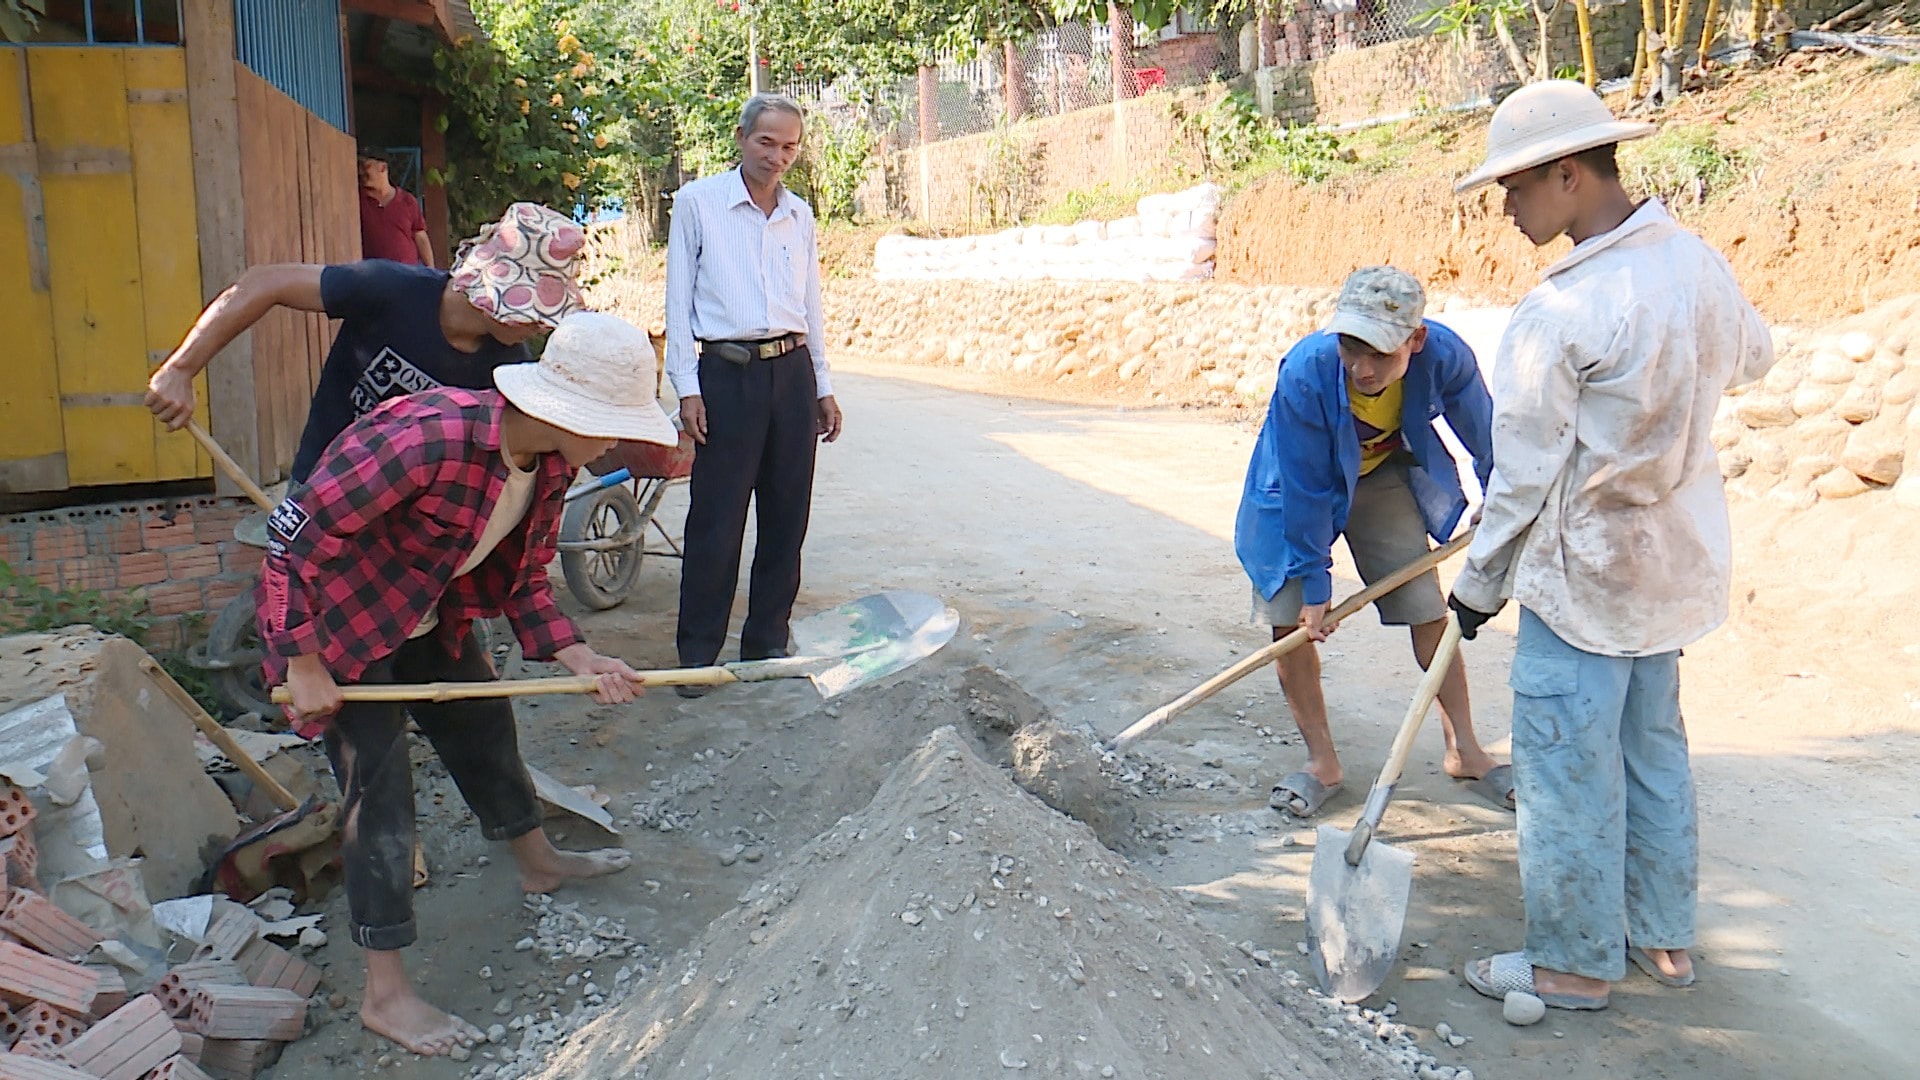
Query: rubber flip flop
[
  {"x": 1301, "y": 794},
  {"x": 1503, "y": 973},
  {"x": 1645, "y": 963},
  {"x": 1496, "y": 787}
]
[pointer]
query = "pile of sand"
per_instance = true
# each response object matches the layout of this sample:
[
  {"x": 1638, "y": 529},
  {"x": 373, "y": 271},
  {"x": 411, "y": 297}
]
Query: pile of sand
[{"x": 957, "y": 927}]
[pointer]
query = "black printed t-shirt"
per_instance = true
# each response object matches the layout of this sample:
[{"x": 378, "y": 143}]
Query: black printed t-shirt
[{"x": 389, "y": 345}]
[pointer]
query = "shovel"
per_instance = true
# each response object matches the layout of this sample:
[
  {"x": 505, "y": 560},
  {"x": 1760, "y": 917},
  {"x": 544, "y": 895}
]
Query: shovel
[
  {"x": 860, "y": 642},
  {"x": 1268, "y": 654},
  {"x": 1357, "y": 890}
]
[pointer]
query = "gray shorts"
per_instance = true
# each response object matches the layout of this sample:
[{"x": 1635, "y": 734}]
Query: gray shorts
[{"x": 1384, "y": 533}]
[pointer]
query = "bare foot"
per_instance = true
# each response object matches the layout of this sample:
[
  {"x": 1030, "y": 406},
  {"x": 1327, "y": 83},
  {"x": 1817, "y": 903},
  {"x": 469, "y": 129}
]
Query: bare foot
[
  {"x": 544, "y": 868},
  {"x": 407, "y": 1020},
  {"x": 1471, "y": 765},
  {"x": 1673, "y": 963}
]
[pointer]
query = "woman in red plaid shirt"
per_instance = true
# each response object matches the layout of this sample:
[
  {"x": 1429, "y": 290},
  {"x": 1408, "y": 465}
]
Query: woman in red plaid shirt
[{"x": 432, "y": 511}]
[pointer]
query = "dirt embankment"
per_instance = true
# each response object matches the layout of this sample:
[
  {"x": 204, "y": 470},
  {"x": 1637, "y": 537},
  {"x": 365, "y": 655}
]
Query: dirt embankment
[{"x": 1811, "y": 178}]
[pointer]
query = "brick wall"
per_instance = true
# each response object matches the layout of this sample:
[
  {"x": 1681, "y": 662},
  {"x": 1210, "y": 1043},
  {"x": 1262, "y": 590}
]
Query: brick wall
[
  {"x": 1074, "y": 151},
  {"x": 179, "y": 555}
]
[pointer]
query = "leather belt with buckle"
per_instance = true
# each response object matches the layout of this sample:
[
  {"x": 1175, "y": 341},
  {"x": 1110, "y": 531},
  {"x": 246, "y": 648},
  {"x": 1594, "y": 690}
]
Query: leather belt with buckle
[{"x": 746, "y": 352}]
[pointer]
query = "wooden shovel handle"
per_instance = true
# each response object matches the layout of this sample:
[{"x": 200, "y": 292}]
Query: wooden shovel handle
[
  {"x": 229, "y": 466},
  {"x": 559, "y": 684},
  {"x": 1287, "y": 644},
  {"x": 219, "y": 736}
]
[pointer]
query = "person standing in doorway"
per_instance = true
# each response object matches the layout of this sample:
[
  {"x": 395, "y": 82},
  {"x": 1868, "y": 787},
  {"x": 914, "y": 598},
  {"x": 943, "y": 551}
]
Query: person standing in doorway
[
  {"x": 745, "y": 352},
  {"x": 1606, "y": 520},
  {"x": 391, "y": 224}
]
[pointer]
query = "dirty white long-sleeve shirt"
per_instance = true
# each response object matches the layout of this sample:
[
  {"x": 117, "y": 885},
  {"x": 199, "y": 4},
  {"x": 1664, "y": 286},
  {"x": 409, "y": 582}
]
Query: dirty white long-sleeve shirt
[
  {"x": 1606, "y": 515},
  {"x": 736, "y": 273}
]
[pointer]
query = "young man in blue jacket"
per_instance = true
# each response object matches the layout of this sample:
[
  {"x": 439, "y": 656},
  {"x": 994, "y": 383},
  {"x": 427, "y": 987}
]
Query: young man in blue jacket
[{"x": 1349, "y": 449}]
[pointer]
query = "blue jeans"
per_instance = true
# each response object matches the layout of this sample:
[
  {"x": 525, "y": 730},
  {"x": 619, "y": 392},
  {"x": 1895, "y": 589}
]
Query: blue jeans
[{"x": 1609, "y": 847}]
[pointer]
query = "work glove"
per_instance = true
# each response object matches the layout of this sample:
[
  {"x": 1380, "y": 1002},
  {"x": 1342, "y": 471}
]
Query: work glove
[{"x": 1470, "y": 619}]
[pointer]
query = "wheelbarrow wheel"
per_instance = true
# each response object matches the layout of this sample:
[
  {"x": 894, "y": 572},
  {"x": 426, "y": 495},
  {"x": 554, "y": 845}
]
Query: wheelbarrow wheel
[
  {"x": 234, "y": 644},
  {"x": 601, "y": 579}
]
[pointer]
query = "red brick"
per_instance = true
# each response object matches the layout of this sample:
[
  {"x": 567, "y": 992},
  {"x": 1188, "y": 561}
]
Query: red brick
[
  {"x": 10, "y": 1029},
  {"x": 142, "y": 568},
  {"x": 190, "y": 1041},
  {"x": 16, "y": 810},
  {"x": 221, "y": 590},
  {"x": 175, "y": 989},
  {"x": 178, "y": 1067},
  {"x": 27, "y": 976},
  {"x": 19, "y": 1066},
  {"x": 42, "y": 1021},
  {"x": 113, "y": 990},
  {"x": 242, "y": 558},
  {"x": 45, "y": 572},
  {"x": 214, "y": 523},
  {"x": 238, "y": 1059},
  {"x": 16, "y": 544},
  {"x": 35, "y": 920},
  {"x": 175, "y": 598},
  {"x": 114, "y": 533},
  {"x": 231, "y": 929},
  {"x": 100, "y": 573},
  {"x": 127, "y": 1045},
  {"x": 54, "y": 539},
  {"x": 34, "y": 1046},
  {"x": 20, "y": 861},
  {"x": 267, "y": 964},
  {"x": 199, "y": 561},
  {"x": 248, "y": 1012},
  {"x": 164, "y": 527}
]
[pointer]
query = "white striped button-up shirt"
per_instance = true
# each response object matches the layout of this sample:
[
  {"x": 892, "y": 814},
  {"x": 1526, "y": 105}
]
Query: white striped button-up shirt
[{"x": 735, "y": 273}]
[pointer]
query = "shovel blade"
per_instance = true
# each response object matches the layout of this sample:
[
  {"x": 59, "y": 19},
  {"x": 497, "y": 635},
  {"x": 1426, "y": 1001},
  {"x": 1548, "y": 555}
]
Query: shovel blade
[
  {"x": 1355, "y": 914},
  {"x": 873, "y": 637}
]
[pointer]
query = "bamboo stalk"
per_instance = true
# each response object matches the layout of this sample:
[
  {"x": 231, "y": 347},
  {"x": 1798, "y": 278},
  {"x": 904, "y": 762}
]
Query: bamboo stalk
[
  {"x": 558, "y": 684},
  {"x": 229, "y": 466},
  {"x": 1677, "y": 33},
  {"x": 1255, "y": 661},
  {"x": 1586, "y": 42},
  {"x": 1639, "y": 67},
  {"x": 219, "y": 736},
  {"x": 1706, "y": 29},
  {"x": 1649, "y": 42}
]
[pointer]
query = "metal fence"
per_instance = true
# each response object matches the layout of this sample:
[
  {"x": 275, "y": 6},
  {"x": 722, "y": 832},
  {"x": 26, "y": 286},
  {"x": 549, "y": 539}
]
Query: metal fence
[
  {"x": 1070, "y": 67},
  {"x": 1061, "y": 70}
]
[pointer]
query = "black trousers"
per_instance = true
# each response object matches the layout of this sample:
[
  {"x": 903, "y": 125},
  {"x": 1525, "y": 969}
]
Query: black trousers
[
  {"x": 367, "y": 744},
  {"x": 761, "y": 436}
]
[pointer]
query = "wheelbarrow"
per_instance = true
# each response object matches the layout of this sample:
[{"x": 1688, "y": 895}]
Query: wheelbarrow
[{"x": 608, "y": 519}]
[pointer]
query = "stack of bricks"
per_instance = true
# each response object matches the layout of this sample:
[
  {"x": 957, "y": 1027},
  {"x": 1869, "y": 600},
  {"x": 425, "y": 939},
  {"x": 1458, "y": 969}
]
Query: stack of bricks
[
  {"x": 224, "y": 1015},
  {"x": 180, "y": 555}
]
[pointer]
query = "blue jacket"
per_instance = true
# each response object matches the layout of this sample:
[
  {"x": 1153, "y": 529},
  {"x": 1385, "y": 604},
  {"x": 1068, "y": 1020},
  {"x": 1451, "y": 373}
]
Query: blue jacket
[{"x": 1307, "y": 460}]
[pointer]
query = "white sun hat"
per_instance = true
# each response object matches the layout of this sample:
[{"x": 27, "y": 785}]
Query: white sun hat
[
  {"x": 598, "y": 377},
  {"x": 1545, "y": 122}
]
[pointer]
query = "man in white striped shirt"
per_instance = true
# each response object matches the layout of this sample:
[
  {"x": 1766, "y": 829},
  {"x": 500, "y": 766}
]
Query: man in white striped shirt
[{"x": 745, "y": 351}]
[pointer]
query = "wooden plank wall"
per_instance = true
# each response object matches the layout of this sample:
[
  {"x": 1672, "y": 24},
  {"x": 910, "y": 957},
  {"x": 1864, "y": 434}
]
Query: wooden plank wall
[
  {"x": 33, "y": 448},
  {"x": 99, "y": 187},
  {"x": 297, "y": 175}
]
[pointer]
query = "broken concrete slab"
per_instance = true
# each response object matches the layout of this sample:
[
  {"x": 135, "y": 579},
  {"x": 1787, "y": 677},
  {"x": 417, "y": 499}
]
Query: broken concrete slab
[{"x": 148, "y": 761}]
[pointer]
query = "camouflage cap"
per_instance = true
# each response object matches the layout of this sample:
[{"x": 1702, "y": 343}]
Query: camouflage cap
[{"x": 1379, "y": 305}]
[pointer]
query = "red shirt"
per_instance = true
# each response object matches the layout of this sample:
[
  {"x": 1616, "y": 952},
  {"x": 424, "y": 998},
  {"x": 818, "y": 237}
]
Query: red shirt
[
  {"x": 386, "y": 232},
  {"x": 357, "y": 555}
]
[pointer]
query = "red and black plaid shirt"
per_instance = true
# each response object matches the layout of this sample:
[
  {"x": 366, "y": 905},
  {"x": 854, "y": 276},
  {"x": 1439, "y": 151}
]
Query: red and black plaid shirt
[{"x": 359, "y": 554}]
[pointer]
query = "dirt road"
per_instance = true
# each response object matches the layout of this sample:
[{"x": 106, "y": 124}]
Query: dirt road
[
  {"x": 1088, "y": 549},
  {"x": 1091, "y": 550}
]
